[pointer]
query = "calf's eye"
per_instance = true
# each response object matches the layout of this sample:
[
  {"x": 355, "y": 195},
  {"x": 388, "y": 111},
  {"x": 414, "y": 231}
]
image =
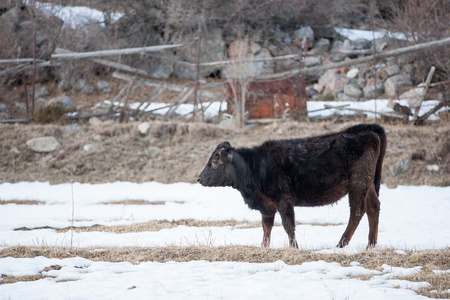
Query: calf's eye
[{"x": 214, "y": 162}]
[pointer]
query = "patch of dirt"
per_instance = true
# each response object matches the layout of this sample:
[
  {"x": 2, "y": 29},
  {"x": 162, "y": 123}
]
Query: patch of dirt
[{"x": 175, "y": 151}]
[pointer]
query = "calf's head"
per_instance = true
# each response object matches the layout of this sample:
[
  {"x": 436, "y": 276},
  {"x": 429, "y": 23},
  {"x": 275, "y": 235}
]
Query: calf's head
[{"x": 219, "y": 171}]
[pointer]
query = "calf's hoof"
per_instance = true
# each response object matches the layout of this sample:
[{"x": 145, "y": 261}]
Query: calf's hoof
[{"x": 342, "y": 243}]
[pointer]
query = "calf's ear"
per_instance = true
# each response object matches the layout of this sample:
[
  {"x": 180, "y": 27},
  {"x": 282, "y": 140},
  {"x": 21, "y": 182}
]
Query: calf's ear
[
  {"x": 224, "y": 151},
  {"x": 224, "y": 146}
]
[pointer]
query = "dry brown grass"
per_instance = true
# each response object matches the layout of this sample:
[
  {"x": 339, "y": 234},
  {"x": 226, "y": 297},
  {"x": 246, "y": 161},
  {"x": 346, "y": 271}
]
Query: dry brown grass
[
  {"x": 7, "y": 279},
  {"x": 154, "y": 225},
  {"x": 140, "y": 202},
  {"x": 157, "y": 225},
  {"x": 21, "y": 202},
  {"x": 372, "y": 259},
  {"x": 186, "y": 147}
]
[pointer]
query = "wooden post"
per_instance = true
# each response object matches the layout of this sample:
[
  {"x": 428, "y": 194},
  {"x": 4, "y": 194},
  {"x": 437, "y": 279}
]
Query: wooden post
[
  {"x": 197, "y": 71},
  {"x": 427, "y": 82}
]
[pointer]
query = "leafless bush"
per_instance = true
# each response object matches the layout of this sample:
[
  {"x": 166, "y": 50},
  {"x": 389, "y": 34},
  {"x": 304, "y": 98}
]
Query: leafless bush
[
  {"x": 240, "y": 73},
  {"x": 422, "y": 21}
]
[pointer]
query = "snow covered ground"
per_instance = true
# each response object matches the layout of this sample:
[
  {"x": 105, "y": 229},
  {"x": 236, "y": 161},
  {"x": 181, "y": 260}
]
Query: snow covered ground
[
  {"x": 75, "y": 15},
  {"x": 412, "y": 218},
  {"x": 315, "y": 108}
]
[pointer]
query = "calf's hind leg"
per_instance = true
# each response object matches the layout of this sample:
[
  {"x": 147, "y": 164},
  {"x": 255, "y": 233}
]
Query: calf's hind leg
[{"x": 373, "y": 213}]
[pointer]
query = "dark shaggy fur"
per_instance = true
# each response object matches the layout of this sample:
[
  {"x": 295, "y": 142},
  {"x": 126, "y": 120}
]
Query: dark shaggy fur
[{"x": 314, "y": 171}]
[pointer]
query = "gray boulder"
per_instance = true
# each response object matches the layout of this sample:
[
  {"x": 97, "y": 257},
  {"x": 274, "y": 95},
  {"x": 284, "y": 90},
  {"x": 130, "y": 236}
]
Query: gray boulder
[
  {"x": 4, "y": 109},
  {"x": 396, "y": 82},
  {"x": 63, "y": 101},
  {"x": 212, "y": 45},
  {"x": 352, "y": 90},
  {"x": 43, "y": 144},
  {"x": 19, "y": 23},
  {"x": 344, "y": 97},
  {"x": 42, "y": 92},
  {"x": 303, "y": 32},
  {"x": 144, "y": 128},
  {"x": 322, "y": 45},
  {"x": 362, "y": 44},
  {"x": 102, "y": 84},
  {"x": 88, "y": 89},
  {"x": 372, "y": 91},
  {"x": 339, "y": 46}
]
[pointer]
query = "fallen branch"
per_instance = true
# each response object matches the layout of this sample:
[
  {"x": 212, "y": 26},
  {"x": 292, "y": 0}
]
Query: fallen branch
[
  {"x": 364, "y": 111},
  {"x": 328, "y": 107},
  {"x": 378, "y": 56},
  {"x": 15, "y": 121},
  {"x": 425, "y": 116},
  {"x": 170, "y": 86},
  {"x": 113, "y": 52},
  {"x": 109, "y": 63}
]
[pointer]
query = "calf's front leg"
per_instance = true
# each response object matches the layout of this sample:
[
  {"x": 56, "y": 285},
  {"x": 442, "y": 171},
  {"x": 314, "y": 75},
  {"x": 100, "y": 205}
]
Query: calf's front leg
[
  {"x": 267, "y": 224},
  {"x": 288, "y": 219}
]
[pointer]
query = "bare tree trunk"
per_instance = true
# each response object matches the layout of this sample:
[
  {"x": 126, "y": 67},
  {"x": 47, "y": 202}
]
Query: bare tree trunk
[{"x": 34, "y": 70}]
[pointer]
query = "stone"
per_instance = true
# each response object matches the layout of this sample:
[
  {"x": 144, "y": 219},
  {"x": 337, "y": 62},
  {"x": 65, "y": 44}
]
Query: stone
[
  {"x": 370, "y": 91},
  {"x": 43, "y": 144},
  {"x": 414, "y": 96},
  {"x": 14, "y": 150},
  {"x": 94, "y": 121},
  {"x": 337, "y": 58},
  {"x": 19, "y": 23},
  {"x": 153, "y": 150},
  {"x": 301, "y": 33},
  {"x": 88, "y": 89},
  {"x": 362, "y": 44},
  {"x": 73, "y": 128},
  {"x": 254, "y": 68},
  {"x": 352, "y": 90},
  {"x": 322, "y": 45},
  {"x": 160, "y": 68},
  {"x": 344, "y": 97},
  {"x": 312, "y": 61},
  {"x": 432, "y": 168},
  {"x": 212, "y": 45},
  {"x": 392, "y": 70},
  {"x": 318, "y": 87},
  {"x": 64, "y": 85},
  {"x": 144, "y": 128},
  {"x": 102, "y": 84},
  {"x": 89, "y": 148},
  {"x": 42, "y": 92},
  {"x": 228, "y": 121},
  {"x": 4, "y": 109},
  {"x": 392, "y": 84},
  {"x": 63, "y": 101},
  {"x": 21, "y": 105},
  {"x": 80, "y": 83},
  {"x": 339, "y": 46},
  {"x": 352, "y": 73}
]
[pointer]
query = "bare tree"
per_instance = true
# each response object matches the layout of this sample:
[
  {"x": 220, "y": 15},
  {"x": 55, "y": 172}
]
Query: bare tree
[{"x": 239, "y": 72}]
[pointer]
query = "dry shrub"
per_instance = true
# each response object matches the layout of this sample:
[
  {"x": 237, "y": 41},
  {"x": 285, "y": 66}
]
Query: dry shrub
[
  {"x": 423, "y": 21},
  {"x": 52, "y": 114}
]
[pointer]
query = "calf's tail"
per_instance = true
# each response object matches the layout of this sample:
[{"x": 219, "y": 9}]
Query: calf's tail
[{"x": 382, "y": 135}]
